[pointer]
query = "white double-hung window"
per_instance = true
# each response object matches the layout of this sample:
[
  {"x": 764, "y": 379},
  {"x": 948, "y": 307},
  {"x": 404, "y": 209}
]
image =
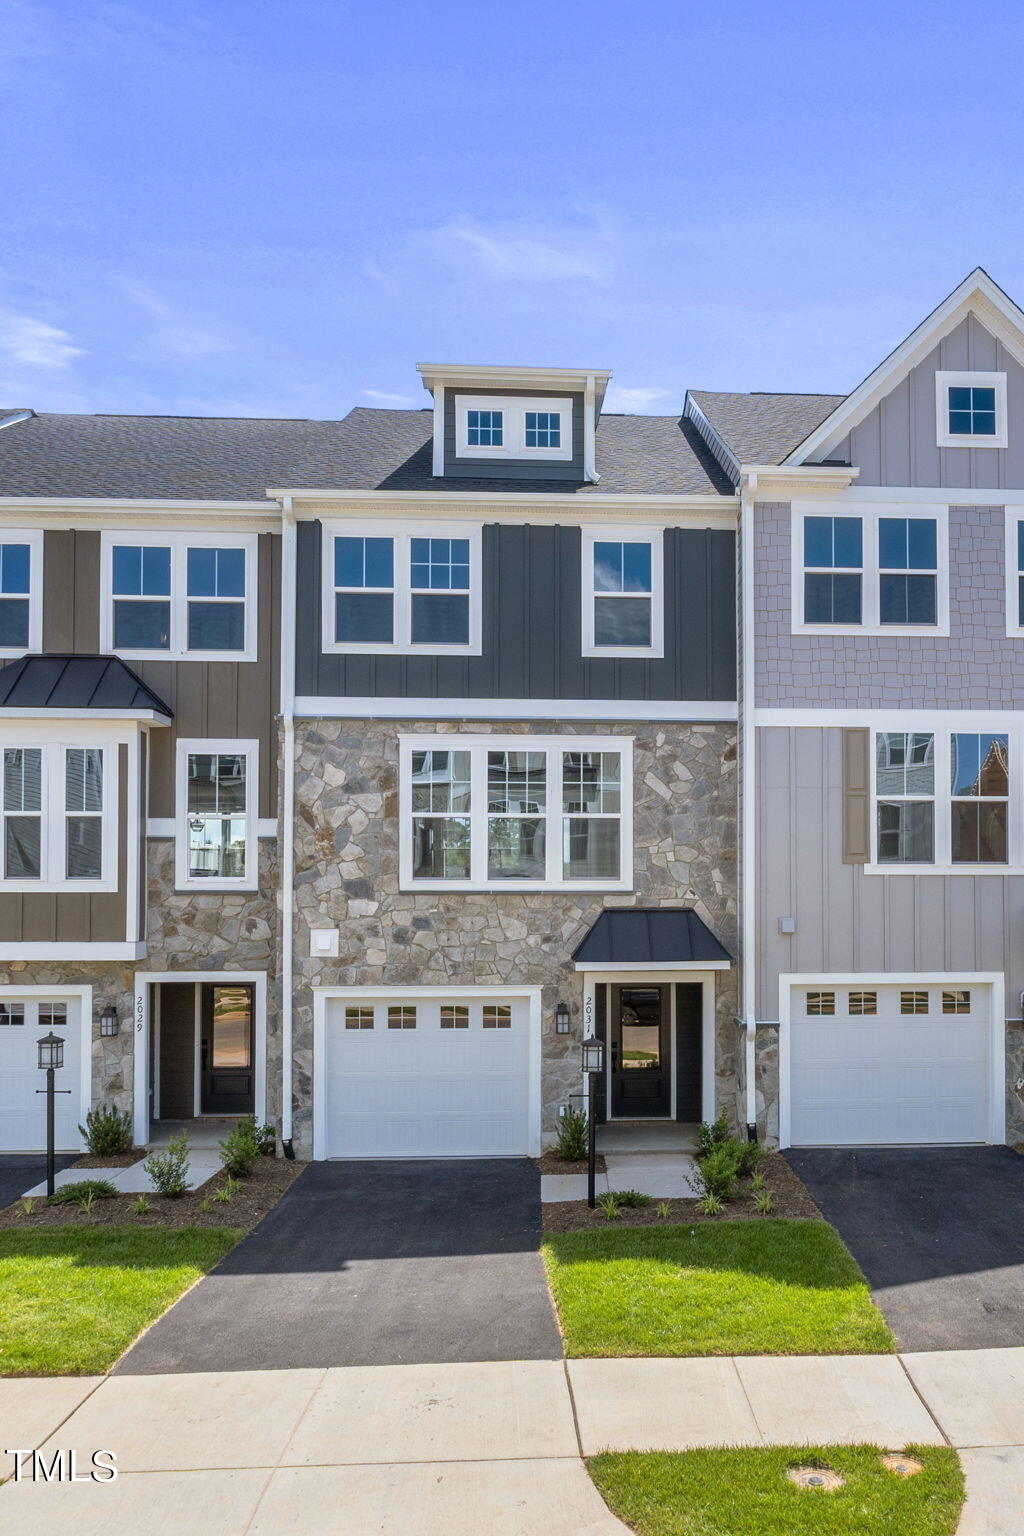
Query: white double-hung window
[
  {"x": 623, "y": 592},
  {"x": 522, "y": 812},
  {"x": 59, "y": 808},
  {"x": 869, "y": 570},
  {"x": 184, "y": 595},
  {"x": 404, "y": 588},
  {"x": 21, "y": 587},
  {"x": 947, "y": 799},
  {"x": 216, "y": 805}
]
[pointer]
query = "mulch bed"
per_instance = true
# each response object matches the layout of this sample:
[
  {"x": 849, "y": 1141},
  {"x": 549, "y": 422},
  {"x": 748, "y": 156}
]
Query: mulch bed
[
  {"x": 111, "y": 1160},
  {"x": 790, "y": 1196},
  {"x": 248, "y": 1205},
  {"x": 552, "y": 1163}
]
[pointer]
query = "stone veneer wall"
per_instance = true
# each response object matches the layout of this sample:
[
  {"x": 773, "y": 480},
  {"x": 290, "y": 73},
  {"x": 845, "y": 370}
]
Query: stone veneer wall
[{"x": 346, "y": 842}]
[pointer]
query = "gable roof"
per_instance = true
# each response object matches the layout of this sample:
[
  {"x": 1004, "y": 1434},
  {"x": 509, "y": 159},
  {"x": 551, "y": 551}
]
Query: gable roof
[
  {"x": 100, "y": 683},
  {"x": 762, "y": 428},
  {"x": 977, "y": 294}
]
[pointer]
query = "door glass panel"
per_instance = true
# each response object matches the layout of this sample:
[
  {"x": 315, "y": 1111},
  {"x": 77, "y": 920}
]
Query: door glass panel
[
  {"x": 231, "y": 1027},
  {"x": 641, "y": 1029}
]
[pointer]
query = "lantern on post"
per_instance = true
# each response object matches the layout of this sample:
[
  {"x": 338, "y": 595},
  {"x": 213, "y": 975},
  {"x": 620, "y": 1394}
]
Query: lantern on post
[
  {"x": 593, "y": 1066},
  {"x": 51, "y": 1059}
]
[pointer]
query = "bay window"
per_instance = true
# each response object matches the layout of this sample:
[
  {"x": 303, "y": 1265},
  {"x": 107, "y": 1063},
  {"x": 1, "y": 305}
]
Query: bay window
[
  {"x": 179, "y": 595},
  {"x": 409, "y": 588},
  {"x": 516, "y": 812},
  {"x": 216, "y": 798},
  {"x": 58, "y": 805}
]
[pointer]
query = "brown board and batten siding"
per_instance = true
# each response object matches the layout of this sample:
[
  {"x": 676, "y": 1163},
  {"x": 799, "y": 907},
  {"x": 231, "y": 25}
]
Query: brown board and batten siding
[
  {"x": 208, "y": 698},
  {"x": 66, "y": 917},
  {"x": 536, "y": 467},
  {"x": 856, "y": 796}
]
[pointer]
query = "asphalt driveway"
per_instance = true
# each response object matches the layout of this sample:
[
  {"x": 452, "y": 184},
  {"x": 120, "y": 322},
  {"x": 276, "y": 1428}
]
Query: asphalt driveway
[
  {"x": 24, "y": 1170},
  {"x": 939, "y": 1233},
  {"x": 373, "y": 1263}
]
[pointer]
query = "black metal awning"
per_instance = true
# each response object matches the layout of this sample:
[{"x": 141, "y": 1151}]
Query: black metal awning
[
  {"x": 103, "y": 685},
  {"x": 673, "y": 938}
]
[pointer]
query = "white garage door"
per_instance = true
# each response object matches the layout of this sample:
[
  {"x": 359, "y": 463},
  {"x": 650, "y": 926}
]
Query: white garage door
[
  {"x": 22, "y": 1109},
  {"x": 881, "y": 1065},
  {"x": 414, "y": 1077}
]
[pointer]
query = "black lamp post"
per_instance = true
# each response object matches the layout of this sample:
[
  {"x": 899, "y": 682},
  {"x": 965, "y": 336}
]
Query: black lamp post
[
  {"x": 51, "y": 1057},
  {"x": 593, "y": 1065}
]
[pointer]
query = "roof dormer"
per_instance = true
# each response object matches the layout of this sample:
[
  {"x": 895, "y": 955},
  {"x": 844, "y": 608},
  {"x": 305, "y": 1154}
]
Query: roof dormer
[{"x": 514, "y": 423}]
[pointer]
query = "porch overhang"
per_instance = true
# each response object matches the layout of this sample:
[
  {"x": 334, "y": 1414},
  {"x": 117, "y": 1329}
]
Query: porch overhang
[
  {"x": 78, "y": 688},
  {"x": 642, "y": 939}
]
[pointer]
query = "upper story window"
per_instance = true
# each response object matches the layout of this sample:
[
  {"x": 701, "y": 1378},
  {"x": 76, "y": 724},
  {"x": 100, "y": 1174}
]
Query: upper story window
[
  {"x": 623, "y": 592},
  {"x": 970, "y": 410},
  {"x": 404, "y": 588},
  {"x": 943, "y": 798},
  {"x": 489, "y": 813},
  {"x": 216, "y": 802},
  {"x": 59, "y": 816},
  {"x": 873, "y": 573},
  {"x": 512, "y": 426},
  {"x": 21, "y": 609},
  {"x": 179, "y": 595}
]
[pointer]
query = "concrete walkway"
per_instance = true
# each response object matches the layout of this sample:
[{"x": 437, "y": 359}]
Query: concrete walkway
[
  {"x": 464, "y": 1448},
  {"x": 134, "y": 1180}
]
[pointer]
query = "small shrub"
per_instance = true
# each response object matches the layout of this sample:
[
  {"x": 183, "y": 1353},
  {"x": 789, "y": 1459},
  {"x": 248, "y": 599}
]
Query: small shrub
[
  {"x": 169, "y": 1169},
  {"x": 267, "y": 1138},
  {"x": 764, "y": 1201},
  {"x": 710, "y": 1204},
  {"x": 631, "y": 1197},
  {"x": 84, "y": 1192},
  {"x": 240, "y": 1151},
  {"x": 609, "y": 1204},
  {"x": 573, "y": 1134},
  {"x": 757, "y": 1182},
  {"x": 748, "y": 1156},
  {"x": 88, "y": 1201},
  {"x": 206, "y": 1206},
  {"x": 664, "y": 1209},
  {"x": 107, "y": 1129},
  {"x": 711, "y": 1136},
  {"x": 718, "y": 1170},
  {"x": 141, "y": 1206},
  {"x": 26, "y": 1206},
  {"x": 229, "y": 1188}
]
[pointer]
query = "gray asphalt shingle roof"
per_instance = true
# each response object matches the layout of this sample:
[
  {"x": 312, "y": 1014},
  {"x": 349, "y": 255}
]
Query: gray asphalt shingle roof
[{"x": 763, "y": 428}]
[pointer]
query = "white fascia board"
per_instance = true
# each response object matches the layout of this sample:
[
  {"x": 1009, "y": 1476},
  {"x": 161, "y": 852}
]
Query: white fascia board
[
  {"x": 889, "y": 719},
  {"x": 99, "y": 716},
  {"x": 74, "y": 950},
  {"x": 624, "y": 504},
  {"x": 772, "y": 482},
  {"x": 67, "y": 511},
  {"x": 479, "y": 376},
  {"x": 978, "y": 294},
  {"x": 695, "y": 711},
  {"x": 629, "y": 967}
]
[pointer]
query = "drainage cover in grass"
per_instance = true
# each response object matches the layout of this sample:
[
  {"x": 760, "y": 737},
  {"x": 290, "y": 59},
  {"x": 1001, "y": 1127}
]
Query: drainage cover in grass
[
  {"x": 815, "y": 1477},
  {"x": 750, "y": 1492}
]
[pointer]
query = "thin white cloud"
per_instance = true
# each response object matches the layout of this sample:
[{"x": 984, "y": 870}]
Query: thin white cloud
[
  {"x": 29, "y": 343},
  {"x": 525, "y": 254},
  {"x": 381, "y": 397},
  {"x": 634, "y": 400},
  {"x": 173, "y": 333}
]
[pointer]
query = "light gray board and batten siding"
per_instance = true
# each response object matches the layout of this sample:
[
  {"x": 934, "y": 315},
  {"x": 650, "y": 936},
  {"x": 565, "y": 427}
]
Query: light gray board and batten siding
[
  {"x": 532, "y": 628},
  {"x": 896, "y": 445},
  {"x": 501, "y": 468},
  {"x": 66, "y": 917},
  {"x": 208, "y": 698},
  {"x": 848, "y": 920}
]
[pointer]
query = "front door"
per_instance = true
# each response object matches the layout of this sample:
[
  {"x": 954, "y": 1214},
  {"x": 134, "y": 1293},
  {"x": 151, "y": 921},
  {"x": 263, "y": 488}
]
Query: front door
[
  {"x": 226, "y": 1055},
  {"x": 641, "y": 1077}
]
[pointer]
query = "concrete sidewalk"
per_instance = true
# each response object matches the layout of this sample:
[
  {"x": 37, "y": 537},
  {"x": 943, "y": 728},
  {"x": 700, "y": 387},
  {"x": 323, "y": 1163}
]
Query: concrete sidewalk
[{"x": 496, "y": 1447}]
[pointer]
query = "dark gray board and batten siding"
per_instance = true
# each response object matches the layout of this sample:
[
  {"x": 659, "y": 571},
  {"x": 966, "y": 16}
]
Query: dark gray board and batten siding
[
  {"x": 536, "y": 467},
  {"x": 208, "y": 698},
  {"x": 532, "y": 628}
]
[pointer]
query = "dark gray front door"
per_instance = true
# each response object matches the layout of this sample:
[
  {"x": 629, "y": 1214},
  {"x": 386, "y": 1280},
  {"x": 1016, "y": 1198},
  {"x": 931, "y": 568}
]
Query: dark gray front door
[
  {"x": 227, "y": 1074},
  {"x": 639, "y": 1032}
]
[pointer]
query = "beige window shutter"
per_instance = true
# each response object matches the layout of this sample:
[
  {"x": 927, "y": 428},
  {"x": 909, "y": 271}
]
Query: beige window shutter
[{"x": 856, "y": 796}]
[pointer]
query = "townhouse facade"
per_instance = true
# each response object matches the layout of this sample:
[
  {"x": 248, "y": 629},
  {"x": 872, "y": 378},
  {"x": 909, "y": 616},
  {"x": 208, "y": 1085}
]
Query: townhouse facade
[{"x": 355, "y": 771}]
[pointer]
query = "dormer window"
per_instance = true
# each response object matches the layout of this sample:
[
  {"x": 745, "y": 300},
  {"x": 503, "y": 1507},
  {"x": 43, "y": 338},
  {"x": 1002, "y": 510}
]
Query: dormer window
[
  {"x": 970, "y": 410},
  {"x": 512, "y": 427}
]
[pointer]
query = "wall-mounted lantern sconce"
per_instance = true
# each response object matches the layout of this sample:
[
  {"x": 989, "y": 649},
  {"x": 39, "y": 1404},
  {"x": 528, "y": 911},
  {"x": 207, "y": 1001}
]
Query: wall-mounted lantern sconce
[
  {"x": 562, "y": 1019},
  {"x": 109, "y": 1023}
]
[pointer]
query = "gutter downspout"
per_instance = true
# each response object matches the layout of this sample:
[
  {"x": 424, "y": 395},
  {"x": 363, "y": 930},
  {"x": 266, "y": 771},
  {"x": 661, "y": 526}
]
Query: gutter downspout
[
  {"x": 287, "y": 872},
  {"x": 590, "y": 431},
  {"x": 748, "y": 821}
]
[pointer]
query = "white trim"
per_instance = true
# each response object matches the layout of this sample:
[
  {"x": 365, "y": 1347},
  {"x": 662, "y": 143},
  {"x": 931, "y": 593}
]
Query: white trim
[
  {"x": 1013, "y": 572},
  {"x": 994, "y": 980},
  {"x": 699, "y": 711},
  {"x": 676, "y": 968},
  {"x": 141, "y": 1033},
  {"x": 401, "y": 535},
  {"x": 437, "y": 444},
  {"x": 97, "y": 716},
  {"x": 197, "y": 1030},
  {"x": 525, "y": 502},
  {"x": 513, "y": 410},
  {"x": 53, "y": 744},
  {"x": 655, "y": 539},
  {"x": 83, "y": 996},
  {"x": 187, "y": 746},
  {"x": 483, "y": 376},
  {"x": 156, "y": 1058},
  {"x": 166, "y": 826},
  {"x": 977, "y": 294},
  {"x": 321, "y": 995},
  {"x": 552, "y": 746},
  {"x": 892, "y": 719},
  {"x": 33, "y": 537},
  {"x": 747, "y": 851},
  {"x": 84, "y": 950},
  {"x": 286, "y": 876},
  {"x": 179, "y": 542},
  {"x": 870, "y": 569},
  {"x": 946, "y": 380},
  {"x": 956, "y": 496}
]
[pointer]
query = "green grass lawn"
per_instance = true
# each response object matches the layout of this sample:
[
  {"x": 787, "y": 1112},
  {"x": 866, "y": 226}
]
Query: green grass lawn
[
  {"x": 747, "y": 1493},
  {"x": 763, "y": 1287},
  {"x": 74, "y": 1298}
]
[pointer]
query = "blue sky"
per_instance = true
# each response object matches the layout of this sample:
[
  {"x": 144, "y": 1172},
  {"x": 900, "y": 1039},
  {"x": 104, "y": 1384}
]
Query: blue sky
[{"x": 279, "y": 207}]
